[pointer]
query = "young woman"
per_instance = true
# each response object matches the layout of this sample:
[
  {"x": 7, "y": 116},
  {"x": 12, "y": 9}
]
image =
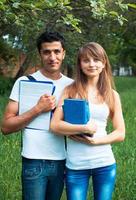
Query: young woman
[{"x": 91, "y": 156}]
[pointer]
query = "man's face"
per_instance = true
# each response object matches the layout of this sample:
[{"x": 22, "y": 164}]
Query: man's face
[{"x": 52, "y": 55}]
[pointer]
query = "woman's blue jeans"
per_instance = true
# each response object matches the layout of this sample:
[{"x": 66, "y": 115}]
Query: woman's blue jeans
[
  {"x": 103, "y": 180},
  {"x": 42, "y": 179}
]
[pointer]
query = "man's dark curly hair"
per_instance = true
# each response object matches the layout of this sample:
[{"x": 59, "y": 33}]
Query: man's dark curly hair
[{"x": 50, "y": 37}]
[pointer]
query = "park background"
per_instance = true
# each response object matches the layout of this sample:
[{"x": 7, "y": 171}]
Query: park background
[{"x": 110, "y": 23}]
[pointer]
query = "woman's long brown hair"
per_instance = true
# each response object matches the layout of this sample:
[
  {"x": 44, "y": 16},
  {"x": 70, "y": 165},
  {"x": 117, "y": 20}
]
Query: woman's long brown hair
[{"x": 105, "y": 83}]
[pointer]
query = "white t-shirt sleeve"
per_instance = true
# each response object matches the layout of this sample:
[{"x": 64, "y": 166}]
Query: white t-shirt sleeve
[{"x": 14, "y": 95}]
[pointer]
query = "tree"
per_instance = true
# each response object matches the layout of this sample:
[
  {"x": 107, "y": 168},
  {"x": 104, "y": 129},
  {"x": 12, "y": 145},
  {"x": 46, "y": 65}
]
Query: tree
[{"x": 23, "y": 20}]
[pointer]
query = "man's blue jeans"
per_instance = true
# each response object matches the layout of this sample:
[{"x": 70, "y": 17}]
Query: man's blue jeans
[
  {"x": 42, "y": 179},
  {"x": 103, "y": 180}
]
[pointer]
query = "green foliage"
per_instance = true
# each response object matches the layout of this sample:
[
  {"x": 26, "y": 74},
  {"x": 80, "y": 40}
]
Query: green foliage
[
  {"x": 17, "y": 12},
  {"x": 5, "y": 85},
  {"x": 70, "y": 20},
  {"x": 98, "y": 8},
  {"x": 111, "y": 23},
  {"x": 125, "y": 152},
  {"x": 7, "y": 51},
  {"x": 132, "y": 5}
]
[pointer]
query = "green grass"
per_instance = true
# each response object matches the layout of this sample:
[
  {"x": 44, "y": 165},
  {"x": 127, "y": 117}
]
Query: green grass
[{"x": 125, "y": 152}]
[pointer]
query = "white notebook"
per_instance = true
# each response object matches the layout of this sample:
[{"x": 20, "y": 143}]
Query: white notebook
[{"x": 29, "y": 94}]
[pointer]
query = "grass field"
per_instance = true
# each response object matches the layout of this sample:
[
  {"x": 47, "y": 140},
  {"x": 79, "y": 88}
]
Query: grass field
[{"x": 125, "y": 152}]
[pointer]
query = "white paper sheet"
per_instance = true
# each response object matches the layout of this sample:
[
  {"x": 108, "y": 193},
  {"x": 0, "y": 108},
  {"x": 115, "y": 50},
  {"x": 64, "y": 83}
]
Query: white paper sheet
[{"x": 29, "y": 94}]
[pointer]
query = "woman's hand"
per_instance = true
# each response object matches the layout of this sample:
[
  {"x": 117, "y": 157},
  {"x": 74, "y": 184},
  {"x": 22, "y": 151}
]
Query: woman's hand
[
  {"x": 90, "y": 127},
  {"x": 84, "y": 139},
  {"x": 79, "y": 138}
]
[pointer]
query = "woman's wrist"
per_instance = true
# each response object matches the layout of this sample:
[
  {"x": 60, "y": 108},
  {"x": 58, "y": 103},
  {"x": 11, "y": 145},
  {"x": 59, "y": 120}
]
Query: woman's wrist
[{"x": 87, "y": 130}]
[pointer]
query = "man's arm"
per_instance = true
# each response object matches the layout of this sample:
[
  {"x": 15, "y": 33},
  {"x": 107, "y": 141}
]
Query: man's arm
[{"x": 13, "y": 122}]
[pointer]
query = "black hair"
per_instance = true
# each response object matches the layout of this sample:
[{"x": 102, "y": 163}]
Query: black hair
[{"x": 50, "y": 37}]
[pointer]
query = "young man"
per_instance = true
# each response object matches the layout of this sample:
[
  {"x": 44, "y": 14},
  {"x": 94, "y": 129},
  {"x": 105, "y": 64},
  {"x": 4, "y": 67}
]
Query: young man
[{"x": 43, "y": 153}]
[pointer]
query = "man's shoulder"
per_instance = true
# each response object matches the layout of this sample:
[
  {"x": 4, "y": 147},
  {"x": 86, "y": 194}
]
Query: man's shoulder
[
  {"x": 20, "y": 79},
  {"x": 67, "y": 78},
  {"x": 66, "y": 81}
]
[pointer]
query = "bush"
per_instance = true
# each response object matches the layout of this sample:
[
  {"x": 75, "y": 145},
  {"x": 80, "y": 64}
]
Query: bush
[{"x": 5, "y": 84}]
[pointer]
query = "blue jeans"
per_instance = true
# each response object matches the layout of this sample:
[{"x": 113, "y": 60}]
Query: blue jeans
[
  {"x": 103, "y": 179},
  {"x": 42, "y": 179}
]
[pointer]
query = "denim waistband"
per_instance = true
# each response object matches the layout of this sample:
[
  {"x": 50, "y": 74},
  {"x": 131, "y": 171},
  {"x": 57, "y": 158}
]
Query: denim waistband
[{"x": 40, "y": 160}]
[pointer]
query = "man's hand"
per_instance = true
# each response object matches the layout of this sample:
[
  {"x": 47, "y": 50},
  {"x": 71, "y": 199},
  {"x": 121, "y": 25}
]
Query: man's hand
[{"x": 46, "y": 103}]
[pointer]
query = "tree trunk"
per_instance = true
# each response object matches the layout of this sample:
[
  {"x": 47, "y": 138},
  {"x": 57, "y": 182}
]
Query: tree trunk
[{"x": 23, "y": 67}]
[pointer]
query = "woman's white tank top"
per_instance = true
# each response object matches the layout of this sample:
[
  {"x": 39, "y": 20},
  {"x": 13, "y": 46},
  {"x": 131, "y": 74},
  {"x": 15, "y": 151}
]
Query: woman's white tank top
[{"x": 86, "y": 156}]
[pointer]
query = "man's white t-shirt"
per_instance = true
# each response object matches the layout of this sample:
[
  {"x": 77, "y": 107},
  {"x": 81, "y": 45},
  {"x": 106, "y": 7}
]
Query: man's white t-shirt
[{"x": 42, "y": 144}]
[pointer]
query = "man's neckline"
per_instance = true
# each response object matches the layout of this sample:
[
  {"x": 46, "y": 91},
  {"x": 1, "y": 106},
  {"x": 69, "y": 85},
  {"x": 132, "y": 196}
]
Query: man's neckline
[{"x": 56, "y": 79}]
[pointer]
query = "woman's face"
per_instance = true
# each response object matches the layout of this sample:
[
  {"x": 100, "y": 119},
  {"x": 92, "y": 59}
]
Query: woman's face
[{"x": 91, "y": 67}]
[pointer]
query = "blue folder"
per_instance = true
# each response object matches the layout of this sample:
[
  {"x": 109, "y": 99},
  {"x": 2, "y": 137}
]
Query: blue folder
[{"x": 76, "y": 111}]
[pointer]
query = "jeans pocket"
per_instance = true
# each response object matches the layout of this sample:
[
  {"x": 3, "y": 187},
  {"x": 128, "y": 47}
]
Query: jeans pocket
[{"x": 31, "y": 171}]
